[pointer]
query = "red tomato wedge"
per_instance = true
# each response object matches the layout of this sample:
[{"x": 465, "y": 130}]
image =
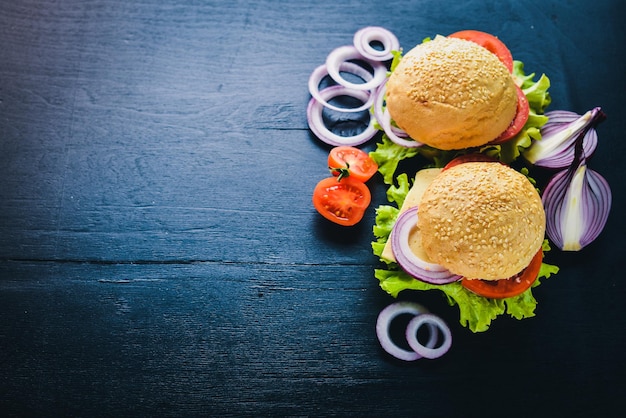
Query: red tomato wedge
[
  {"x": 506, "y": 288},
  {"x": 356, "y": 162},
  {"x": 470, "y": 158},
  {"x": 523, "y": 112},
  {"x": 489, "y": 42},
  {"x": 341, "y": 201}
]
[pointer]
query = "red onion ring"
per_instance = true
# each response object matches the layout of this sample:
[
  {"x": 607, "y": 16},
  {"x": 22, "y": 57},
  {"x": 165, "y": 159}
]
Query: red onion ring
[
  {"x": 561, "y": 116},
  {"x": 413, "y": 265},
  {"x": 320, "y": 72},
  {"x": 396, "y": 135},
  {"x": 318, "y": 127},
  {"x": 432, "y": 321},
  {"x": 383, "y": 323},
  {"x": 379, "y": 106},
  {"x": 364, "y": 38},
  {"x": 347, "y": 53}
]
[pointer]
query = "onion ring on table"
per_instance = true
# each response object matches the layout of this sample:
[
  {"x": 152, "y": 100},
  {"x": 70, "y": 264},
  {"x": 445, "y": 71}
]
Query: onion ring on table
[
  {"x": 347, "y": 53},
  {"x": 387, "y": 315},
  {"x": 318, "y": 127},
  {"x": 405, "y": 257},
  {"x": 364, "y": 38},
  {"x": 432, "y": 321},
  {"x": 349, "y": 67}
]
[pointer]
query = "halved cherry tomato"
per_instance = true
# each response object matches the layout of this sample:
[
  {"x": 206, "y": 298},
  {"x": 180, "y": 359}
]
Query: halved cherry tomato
[
  {"x": 470, "y": 158},
  {"x": 489, "y": 42},
  {"x": 358, "y": 163},
  {"x": 341, "y": 201},
  {"x": 523, "y": 111},
  {"x": 506, "y": 288}
]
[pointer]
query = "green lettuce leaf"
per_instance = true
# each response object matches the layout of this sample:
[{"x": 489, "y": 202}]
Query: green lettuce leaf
[
  {"x": 475, "y": 312},
  {"x": 388, "y": 155},
  {"x": 538, "y": 99}
]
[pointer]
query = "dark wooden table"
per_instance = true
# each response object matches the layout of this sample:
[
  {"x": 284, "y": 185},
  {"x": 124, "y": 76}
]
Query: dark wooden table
[{"x": 159, "y": 253}]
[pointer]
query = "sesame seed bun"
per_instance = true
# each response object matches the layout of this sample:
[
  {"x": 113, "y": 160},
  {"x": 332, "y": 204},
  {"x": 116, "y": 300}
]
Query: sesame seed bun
[
  {"x": 481, "y": 220},
  {"x": 451, "y": 93}
]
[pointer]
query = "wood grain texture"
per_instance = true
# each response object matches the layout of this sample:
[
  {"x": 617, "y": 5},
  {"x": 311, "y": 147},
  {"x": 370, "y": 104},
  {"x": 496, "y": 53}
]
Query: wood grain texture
[{"x": 159, "y": 254}]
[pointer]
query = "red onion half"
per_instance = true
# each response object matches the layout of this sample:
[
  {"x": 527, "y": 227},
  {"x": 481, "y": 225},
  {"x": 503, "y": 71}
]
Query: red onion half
[
  {"x": 577, "y": 204},
  {"x": 555, "y": 149},
  {"x": 412, "y": 264}
]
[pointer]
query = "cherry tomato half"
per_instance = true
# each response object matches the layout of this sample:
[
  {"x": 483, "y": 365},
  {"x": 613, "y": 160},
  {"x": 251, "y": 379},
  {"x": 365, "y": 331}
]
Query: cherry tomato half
[
  {"x": 359, "y": 164},
  {"x": 506, "y": 288},
  {"x": 523, "y": 111},
  {"x": 470, "y": 158},
  {"x": 489, "y": 42},
  {"x": 341, "y": 201}
]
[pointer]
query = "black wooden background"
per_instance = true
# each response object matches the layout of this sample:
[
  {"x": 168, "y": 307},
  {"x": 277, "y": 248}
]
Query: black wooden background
[{"x": 159, "y": 254}]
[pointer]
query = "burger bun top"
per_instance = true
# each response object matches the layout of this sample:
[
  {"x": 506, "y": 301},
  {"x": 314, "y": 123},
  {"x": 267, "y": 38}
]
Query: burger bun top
[
  {"x": 451, "y": 93},
  {"x": 481, "y": 220}
]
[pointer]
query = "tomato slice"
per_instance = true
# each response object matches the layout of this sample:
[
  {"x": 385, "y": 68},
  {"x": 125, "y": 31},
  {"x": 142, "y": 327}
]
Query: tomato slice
[
  {"x": 470, "y": 158},
  {"x": 523, "y": 112},
  {"x": 506, "y": 288},
  {"x": 359, "y": 165},
  {"x": 489, "y": 42},
  {"x": 341, "y": 201}
]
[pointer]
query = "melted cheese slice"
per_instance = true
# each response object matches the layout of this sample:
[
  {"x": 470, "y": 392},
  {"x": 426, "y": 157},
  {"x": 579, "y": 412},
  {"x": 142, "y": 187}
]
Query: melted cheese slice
[{"x": 423, "y": 178}]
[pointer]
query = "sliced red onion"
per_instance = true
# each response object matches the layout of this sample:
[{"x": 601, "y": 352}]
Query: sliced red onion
[
  {"x": 318, "y": 127},
  {"x": 383, "y": 323},
  {"x": 379, "y": 107},
  {"x": 364, "y": 38},
  {"x": 320, "y": 72},
  {"x": 408, "y": 260},
  {"x": 577, "y": 202},
  {"x": 432, "y": 321},
  {"x": 562, "y": 116},
  {"x": 555, "y": 149},
  {"x": 347, "y": 53},
  {"x": 396, "y": 138}
]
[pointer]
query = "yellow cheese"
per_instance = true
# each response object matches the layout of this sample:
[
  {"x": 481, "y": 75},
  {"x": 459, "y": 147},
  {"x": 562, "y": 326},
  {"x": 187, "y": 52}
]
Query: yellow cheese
[{"x": 423, "y": 178}]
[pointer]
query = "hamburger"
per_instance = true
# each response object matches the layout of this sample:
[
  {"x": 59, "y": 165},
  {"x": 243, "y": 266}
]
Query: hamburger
[
  {"x": 477, "y": 219},
  {"x": 483, "y": 224},
  {"x": 481, "y": 220},
  {"x": 451, "y": 93}
]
